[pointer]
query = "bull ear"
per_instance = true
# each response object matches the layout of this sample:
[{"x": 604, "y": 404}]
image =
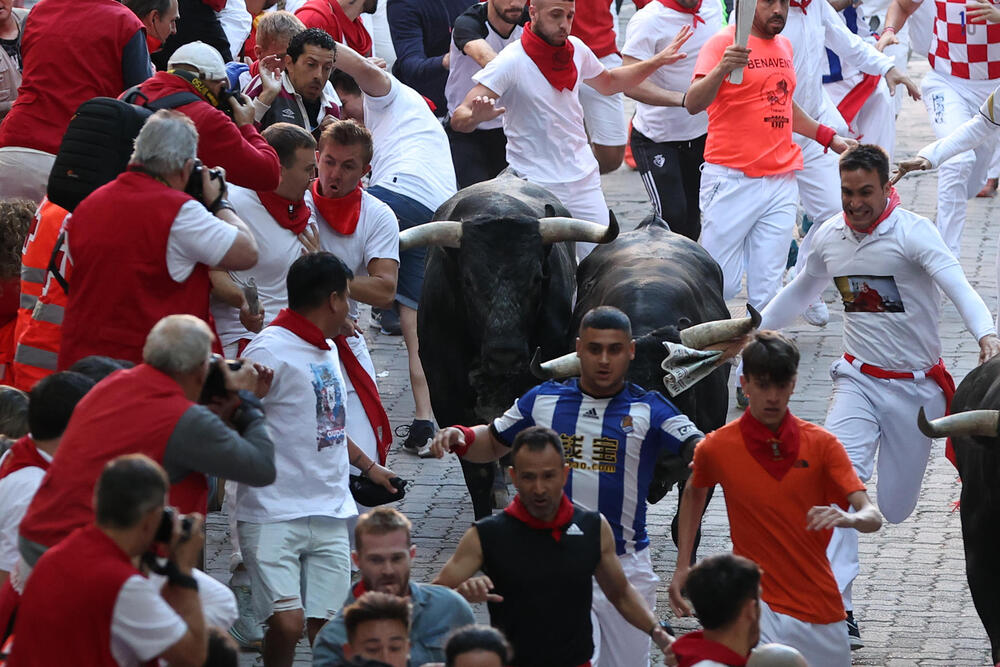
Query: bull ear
[
  {"x": 683, "y": 323},
  {"x": 550, "y": 211}
]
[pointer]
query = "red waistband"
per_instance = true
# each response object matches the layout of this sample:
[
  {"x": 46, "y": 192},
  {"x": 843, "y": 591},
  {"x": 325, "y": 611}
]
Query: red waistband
[{"x": 877, "y": 372}]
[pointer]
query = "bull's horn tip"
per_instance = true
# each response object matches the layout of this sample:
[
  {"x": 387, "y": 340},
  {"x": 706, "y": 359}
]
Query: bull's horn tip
[
  {"x": 536, "y": 365},
  {"x": 924, "y": 425},
  {"x": 613, "y": 228},
  {"x": 754, "y": 316}
]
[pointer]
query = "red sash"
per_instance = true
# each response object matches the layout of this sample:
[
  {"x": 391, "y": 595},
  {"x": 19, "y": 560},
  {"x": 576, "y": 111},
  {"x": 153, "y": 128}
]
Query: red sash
[
  {"x": 301, "y": 327},
  {"x": 775, "y": 452},
  {"x": 341, "y": 213},
  {"x": 555, "y": 62},
  {"x": 293, "y": 216},
  {"x": 368, "y": 393}
]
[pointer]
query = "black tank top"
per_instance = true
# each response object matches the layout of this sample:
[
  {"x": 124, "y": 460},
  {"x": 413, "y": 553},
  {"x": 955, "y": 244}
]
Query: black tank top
[{"x": 546, "y": 586}]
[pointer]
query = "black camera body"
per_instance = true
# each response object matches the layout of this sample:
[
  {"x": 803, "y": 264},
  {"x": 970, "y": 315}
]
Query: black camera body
[
  {"x": 215, "y": 381},
  {"x": 166, "y": 530},
  {"x": 194, "y": 186}
]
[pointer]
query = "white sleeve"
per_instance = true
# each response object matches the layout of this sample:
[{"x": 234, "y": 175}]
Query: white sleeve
[
  {"x": 852, "y": 49},
  {"x": 797, "y": 295},
  {"x": 498, "y": 75},
  {"x": 590, "y": 66},
  {"x": 382, "y": 236},
  {"x": 970, "y": 134},
  {"x": 382, "y": 103},
  {"x": 16, "y": 492},
  {"x": 197, "y": 237},
  {"x": 143, "y": 625},
  {"x": 640, "y": 42},
  {"x": 236, "y": 23}
]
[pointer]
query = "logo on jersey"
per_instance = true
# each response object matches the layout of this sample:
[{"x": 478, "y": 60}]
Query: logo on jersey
[
  {"x": 574, "y": 530},
  {"x": 659, "y": 160},
  {"x": 869, "y": 294},
  {"x": 627, "y": 424},
  {"x": 591, "y": 413},
  {"x": 603, "y": 456}
]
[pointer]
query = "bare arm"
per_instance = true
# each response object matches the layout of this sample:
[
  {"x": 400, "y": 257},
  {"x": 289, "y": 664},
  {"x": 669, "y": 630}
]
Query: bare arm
[
  {"x": 704, "y": 89},
  {"x": 480, "y": 51},
  {"x": 692, "y": 507},
  {"x": 622, "y": 78},
  {"x": 369, "y": 76},
  {"x": 484, "y": 449},
  {"x": 465, "y": 562},
  {"x": 379, "y": 287},
  {"x": 807, "y": 126},
  {"x": 478, "y": 107},
  {"x": 649, "y": 93},
  {"x": 865, "y": 518},
  {"x": 895, "y": 18}
]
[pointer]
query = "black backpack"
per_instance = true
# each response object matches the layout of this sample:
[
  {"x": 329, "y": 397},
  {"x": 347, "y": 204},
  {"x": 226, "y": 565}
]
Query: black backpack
[{"x": 99, "y": 141}]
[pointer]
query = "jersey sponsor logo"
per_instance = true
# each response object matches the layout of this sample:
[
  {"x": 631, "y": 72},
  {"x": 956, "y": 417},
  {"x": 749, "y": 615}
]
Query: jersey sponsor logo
[
  {"x": 604, "y": 456},
  {"x": 591, "y": 413},
  {"x": 574, "y": 530},
  {"x": 869, "y": 294},
  {"x": 769, "y": 63},
  {"x": 680, "y": 427}
]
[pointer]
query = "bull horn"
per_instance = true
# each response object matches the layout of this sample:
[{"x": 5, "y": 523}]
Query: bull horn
[
  {"x": 446, "y": 233},
  {"x": 973, "y": 422},
  {"x": 555, "y": 230},
  {"x": 565, "y": 366},
  {"x": 702, "y": 335}
]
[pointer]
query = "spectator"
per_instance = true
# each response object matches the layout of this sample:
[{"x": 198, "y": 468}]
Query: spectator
[
  {"x": 273, "y": 33},
  {"x": 108, "y": 612},
  {"x": 477, "y": 646},
  {"x": 198, "y": 22},
  {"x": 412, "y": 173},
  {"x": 776, "y": 655},
  {"x": 540, "y": 558},
  {"x": 15, "y": 219},
  {"x": 297, "y": 92},
  {"x": 293, "y": 533},
  {"x": 98, "y": 367},
  {"x": 150, "y": 409},
  {"x": 378, "y": 626},
  {"x": 13, "y": 413},
  {"x": 341, "y": 19},
  {"x": 114, "y": 304},
  {"x": 384, "y": 554},
  {"x": 480, "y": 33},
  {"x": 104, "y": 40},
  {"x": 11, "y": 26},
  {"x": 233, "y": 144},
  {"x": 159, "y": 17},
  {"x": 725, "y": 593},
  {"x": 421, "y": 35}
]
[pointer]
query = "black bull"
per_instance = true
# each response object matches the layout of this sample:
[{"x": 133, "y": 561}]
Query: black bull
[
  {"x": 498, "y": 283},
  {"x": 972, "y": 427}
]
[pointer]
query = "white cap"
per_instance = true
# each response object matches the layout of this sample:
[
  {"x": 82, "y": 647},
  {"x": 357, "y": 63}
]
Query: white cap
[{"x": 200, "y": 55}]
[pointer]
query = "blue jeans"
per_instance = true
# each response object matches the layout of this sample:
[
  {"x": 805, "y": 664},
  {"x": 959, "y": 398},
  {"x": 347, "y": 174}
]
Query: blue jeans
[{"x": 409, "y": 213}]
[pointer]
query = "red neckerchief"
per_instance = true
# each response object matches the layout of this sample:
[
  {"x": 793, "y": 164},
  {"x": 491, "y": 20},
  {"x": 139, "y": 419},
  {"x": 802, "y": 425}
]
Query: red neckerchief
[
  {"x": 301, "y": 327},
  {"x": 555, "y": 62},
  {"x": 23, "y": 454},
  {"x": 293, "y": 216},
  {"x": 152, "y": 43},
  {"x": 341, "y": 213},
  {"x": 254, "y": 68},
  {"x": 352, "y": 32},
  {"x": 801, "y": 4},
  {"x": 692, "y": 648},
  {"x": 359, "y": 589},
  {"x": 693, "y": 11},
  {"x": 368, "y": 393},
  {"x": 775, "y": 452},
  {"x": 889, "y": 208},
  {"x": 564, "y": 515}
]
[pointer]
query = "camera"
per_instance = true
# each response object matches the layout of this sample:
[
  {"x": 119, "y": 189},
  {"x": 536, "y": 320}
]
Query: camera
[
  {"x": 215, "y": 381},
  {"x": 194, "y": 185},
  {"x": 166, "y": 530}
]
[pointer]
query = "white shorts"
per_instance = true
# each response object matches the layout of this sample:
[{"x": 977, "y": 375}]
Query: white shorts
[
  {"x": 604, "y": 115},
  {"x": 585, "y": 200},
  {"x": 303, "y": 559},
  {"x": 618, "y": 643},
  {"x": 821, "y": 645}
]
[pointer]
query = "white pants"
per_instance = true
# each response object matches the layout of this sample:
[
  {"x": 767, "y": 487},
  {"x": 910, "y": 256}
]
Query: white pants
[
  {"x": 950, "y": 102},
  {"x": 823, "y": 645},
  {"x": 604, "y": 115},
  {"x": 870, "y": 415},
  {"x": 876, "y": 121},
  {"x": 24, "y": 173},
  {"x": 585, "y": 200},
  {"x": 747, "y": 226},
  {"x": 618, "y": 643}
]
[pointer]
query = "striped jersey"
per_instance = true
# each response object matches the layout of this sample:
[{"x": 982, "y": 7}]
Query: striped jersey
[{"x": 611, "y": 445}]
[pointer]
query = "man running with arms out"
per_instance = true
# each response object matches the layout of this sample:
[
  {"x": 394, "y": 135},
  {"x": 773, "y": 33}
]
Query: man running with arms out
[
  {"x": 613, "y": 433},
  {"x": 781, "y": 477},
  {"x": 539, "y": 557},
  {"x": 892, "y": 351}
]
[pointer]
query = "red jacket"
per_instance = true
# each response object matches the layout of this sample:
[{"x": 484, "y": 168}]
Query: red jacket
[
  {"x": 130, "y": 412},
  {"x": 249, "y": 161},
  {"x": 121, "y": 286}
]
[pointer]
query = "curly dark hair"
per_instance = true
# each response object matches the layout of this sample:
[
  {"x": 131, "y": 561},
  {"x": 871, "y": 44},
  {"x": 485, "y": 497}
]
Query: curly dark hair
[{"x": 15, "y": 220}]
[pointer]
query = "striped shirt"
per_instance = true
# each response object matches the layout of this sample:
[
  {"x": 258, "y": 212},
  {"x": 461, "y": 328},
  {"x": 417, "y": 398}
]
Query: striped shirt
[{"x": 611, "y": 445}]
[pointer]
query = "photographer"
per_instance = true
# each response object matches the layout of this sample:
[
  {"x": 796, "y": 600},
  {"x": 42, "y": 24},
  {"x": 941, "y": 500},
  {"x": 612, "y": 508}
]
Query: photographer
[
  {"x": 142, "y": 246},
  {"x": 88, "y": 595},
  {"x": 226, "y": 133}
]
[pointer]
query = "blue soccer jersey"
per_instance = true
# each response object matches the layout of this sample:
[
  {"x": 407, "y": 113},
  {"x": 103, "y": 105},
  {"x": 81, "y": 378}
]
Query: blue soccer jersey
[{"x": 611, "y": 445}]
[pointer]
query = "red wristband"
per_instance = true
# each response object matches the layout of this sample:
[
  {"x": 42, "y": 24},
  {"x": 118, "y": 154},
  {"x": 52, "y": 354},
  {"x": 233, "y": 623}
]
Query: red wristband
[
  {"x": 888, "y": 28},
  {"x": 470, "y": 437},
  {"x": 825, "y": 135}
]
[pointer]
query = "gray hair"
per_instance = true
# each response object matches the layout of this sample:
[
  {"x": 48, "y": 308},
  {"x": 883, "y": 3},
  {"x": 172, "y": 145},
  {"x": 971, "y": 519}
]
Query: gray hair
[
  {"x": 167, "y": 141},
  {"x": 178, "y": 344}
]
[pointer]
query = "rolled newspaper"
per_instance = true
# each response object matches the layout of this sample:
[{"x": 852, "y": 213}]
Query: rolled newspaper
[
  {"x": 745, "y": 10},
  {"x": 684, "y": 367}
]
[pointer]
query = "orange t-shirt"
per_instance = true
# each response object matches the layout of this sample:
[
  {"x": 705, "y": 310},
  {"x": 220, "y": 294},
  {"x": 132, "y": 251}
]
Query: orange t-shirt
[
  {"x": 767, "y": 517},
  {"x": 750, "y": 125}
]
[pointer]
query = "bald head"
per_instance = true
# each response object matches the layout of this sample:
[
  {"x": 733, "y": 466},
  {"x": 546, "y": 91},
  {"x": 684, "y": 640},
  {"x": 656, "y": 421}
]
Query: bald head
[
  {"x": 552, "y": 20},
  {"x": 178, "y": 344},
  {"x": 776, "y": 655}
]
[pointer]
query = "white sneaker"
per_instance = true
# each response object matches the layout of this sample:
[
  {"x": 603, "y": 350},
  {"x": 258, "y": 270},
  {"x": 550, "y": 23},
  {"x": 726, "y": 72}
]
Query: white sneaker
[{"x": 817, "y": 314}]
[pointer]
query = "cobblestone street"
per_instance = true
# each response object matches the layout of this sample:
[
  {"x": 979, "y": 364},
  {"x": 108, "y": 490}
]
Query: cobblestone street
[{"x": 912, "y": 600}]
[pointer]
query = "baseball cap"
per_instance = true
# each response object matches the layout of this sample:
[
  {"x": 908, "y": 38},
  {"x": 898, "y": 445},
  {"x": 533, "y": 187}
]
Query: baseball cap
[{"x": 200, "y": 55}]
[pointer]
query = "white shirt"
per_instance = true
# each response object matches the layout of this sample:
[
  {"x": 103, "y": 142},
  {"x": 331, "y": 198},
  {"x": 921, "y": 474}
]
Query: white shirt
[
  {"x": 16, "y": 491},
  {"x": 900, "y": 266},
  {"x": 651, "y": 30},
  {"x": 306, "y": 417},
  {"x": 412, "y": 154},
  {"x": 981, "y": 127},
  {"x": 143, "y": 625},
  {"x": 197, "y": 237},
  {"x": 278, "y": 248},
  {"x": 809, "y": 32},
  {"x": 376, "y": 237},
  {"x": 546, "y": 140}
]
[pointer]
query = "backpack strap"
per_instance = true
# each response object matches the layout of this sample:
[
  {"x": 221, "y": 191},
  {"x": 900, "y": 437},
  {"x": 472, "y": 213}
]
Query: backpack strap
[
  {"x": 173, "y": 100},
  {"x": 54, "y": 262}
]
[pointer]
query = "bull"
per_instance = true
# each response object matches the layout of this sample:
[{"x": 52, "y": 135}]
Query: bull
[
  {"x": 975, "y": 436},
  {"x": 498, "y": 282}
]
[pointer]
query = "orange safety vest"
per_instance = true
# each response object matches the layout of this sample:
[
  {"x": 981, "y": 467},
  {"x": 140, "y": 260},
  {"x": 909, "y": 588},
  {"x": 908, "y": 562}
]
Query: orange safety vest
[{"x": 39, "y": 321}]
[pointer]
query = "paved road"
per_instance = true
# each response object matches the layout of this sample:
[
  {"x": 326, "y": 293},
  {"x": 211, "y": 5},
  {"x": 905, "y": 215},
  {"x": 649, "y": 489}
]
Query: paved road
[{"x": 911, "y": 599}]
